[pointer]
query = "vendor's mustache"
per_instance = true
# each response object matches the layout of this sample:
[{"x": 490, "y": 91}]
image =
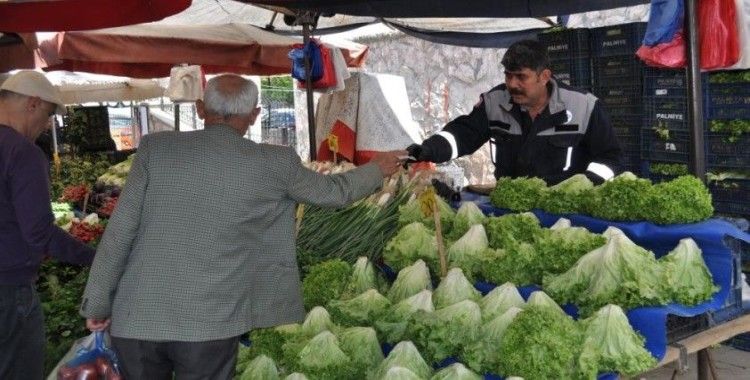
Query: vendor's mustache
[{"x": 515, "y": 91}]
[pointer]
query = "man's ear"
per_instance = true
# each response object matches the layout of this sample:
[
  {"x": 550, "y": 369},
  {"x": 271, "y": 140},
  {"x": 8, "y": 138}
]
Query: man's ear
[
  {"x": 254, "y": 115},
  {"x": 200, "y": 109},
  {"x": 545, "y": 75}
]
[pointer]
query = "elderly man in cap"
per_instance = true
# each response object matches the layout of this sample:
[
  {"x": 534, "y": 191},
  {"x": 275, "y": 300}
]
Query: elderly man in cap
[{"x": 27, "y": 228}]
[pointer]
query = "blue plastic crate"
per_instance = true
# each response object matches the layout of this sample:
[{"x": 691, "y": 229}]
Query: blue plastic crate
[
  {"x": 617, "y": 39},
  {"x": 740, "y": 342},
  {"x": 728, "y": 101},
  {"x": 566, "y": 42},
  {"x": 627, "y": 125},
  {"x": 724, "y": 153},
  {"x": 675, "y": 149},
  {"x": 573, "y": 70},
  {"x": 731, "y": 196},
  {"x": 618, "y": 70}
]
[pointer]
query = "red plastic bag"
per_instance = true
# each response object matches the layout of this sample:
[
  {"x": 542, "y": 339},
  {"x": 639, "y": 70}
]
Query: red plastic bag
[
  {"x": 717, "y": 22},
  {"x": 669, "y": 54}
]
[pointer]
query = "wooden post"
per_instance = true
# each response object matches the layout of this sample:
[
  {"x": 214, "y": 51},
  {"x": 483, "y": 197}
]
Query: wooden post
[{"x": 439, "y": 238}]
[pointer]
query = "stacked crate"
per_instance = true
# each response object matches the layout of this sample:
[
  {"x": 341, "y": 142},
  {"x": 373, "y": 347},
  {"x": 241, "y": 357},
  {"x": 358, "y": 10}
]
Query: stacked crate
[
  {"x": 618, "y": 83},
  {"x": 570, "y": 61},
  {"x": 727, "y": 110}
]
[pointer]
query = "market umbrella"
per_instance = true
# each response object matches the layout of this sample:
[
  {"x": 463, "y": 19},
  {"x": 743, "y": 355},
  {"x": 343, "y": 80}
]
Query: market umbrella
[
  {"x": 151, "y": 50},
  {"x": 17, "y": 51},
  {"x": 57, "y": 15}
]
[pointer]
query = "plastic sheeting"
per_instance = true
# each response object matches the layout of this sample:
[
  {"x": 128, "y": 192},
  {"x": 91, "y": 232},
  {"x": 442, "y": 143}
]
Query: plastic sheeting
[{"x": 651, "y": 321}]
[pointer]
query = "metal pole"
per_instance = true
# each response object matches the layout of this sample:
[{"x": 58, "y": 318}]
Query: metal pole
[
  {"x": 308, "y": 89},
  {"x": 695, "y": 94}
]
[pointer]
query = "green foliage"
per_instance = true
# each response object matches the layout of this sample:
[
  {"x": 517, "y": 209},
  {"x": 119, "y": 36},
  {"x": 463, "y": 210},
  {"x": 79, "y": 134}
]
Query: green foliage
[
  {"x": 683, "y": 200},
  {"x": 325, "y": 281},
  {"x": 738, "y": 76},
  {"x": 76, "y": 170},
  {"x": 392, "y": 325},
  {"x": 733, "y": 128},
  {"x": 481, "y": 354},
  {"x": 664, "y": 168},
  {"x": 518, "y": 194},
  {"x": 623, "y": 198},
  {"x": 508, "y": 230},
  {"x": 60, "y": 288},
  {"x": 414, "y": 241},
  {"x": 540, "y": 343},
  {"x": 444, "y": 332},
  {"x": 277, "y": 90}
]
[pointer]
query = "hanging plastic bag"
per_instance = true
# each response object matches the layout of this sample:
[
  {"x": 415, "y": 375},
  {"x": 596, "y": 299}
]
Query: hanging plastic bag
[
  {"x": 717, "y": 22},
  {"x": 90, "y": 358},
  {"x": 297, "y": 55},
  {"x": 328, "y": 79},
  {"x": 186, "y": 83},
  {"x": 669, "y": 55},
  {"x": 664, "y": 21}
]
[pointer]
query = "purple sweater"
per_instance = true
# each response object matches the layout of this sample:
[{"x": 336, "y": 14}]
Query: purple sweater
[{"x": 27, "y": 228}]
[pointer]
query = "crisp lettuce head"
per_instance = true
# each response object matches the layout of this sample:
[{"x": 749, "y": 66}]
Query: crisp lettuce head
[
  {"x": 363, "y": 277},
  {"x": 467, "y": 251},
  {"x": 405, "y": 355},
  {"x": 317, "y": 321},
  {"x": 684, "y": 199},
  {"x": 561, "y": 223},
  {"x": 443, "y": 333},
  {"x": 567, "y": 196},
  {"x": 261, "y": 368},
  {"x": 322, "y": 358},
  {"x": 413, "y": 242},
  {"x": 296, "y": 376},
  {"x": 454, "y": 288},
  {"x": 410, "y": 281},
  {"x": 688, "y": 277},
  {"x": 541, "y": 299},
  {"x": 456, "y": 371},
  {"x": 518, "y": 194},
  {"x": 622, "y": 198},
  {"x": 552, "y": 339},
  {"x": 400, "y": 373},
  {"x": 611, "y": 345},
  {"x": 467, "y": 215},
  {"x": 500, "y": 300},
  {"x": 509, "y": 230},
  {"x": 412, "y": 212},
  {"x": 620, "y": 272},
  {"x": 481, "y": 354},
  {"x": 361, "y": 345},
  {"x": 392, "y": 325},
  {"x": 361, "y": 310}
]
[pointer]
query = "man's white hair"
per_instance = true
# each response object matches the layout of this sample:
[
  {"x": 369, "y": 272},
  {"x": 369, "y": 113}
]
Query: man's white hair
[{"x": 230, "y": 100}]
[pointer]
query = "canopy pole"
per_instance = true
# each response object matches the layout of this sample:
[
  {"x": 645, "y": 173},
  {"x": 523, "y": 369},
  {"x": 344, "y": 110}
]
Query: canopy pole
[
  {"x": 307, "y": 19},
  {"x": 695, "y": 94},
  {"x": 176, "y": 116}
]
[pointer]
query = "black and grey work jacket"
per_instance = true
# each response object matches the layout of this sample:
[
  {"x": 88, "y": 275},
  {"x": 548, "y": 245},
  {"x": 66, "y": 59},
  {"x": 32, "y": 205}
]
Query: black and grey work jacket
[{"x": 572, "y": 135}]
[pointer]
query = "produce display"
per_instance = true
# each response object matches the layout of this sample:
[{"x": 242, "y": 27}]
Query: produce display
[{"x": 625, "y": 198}]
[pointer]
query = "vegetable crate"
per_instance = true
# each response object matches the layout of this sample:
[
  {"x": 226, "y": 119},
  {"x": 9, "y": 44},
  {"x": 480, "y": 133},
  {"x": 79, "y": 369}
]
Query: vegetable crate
[
  {"x": 733, "y": 305},
  {"x": 728, "y": 101},
  {"x": 622, "y": 39},
  {"x": 573, "y": 70},
  {"x": 682, "y": 327},
  {"x": 627, "y": 125},
  {"x": 620, "y": 101},
  {"x": 620, "y": 70},
  {"x": 660, "y": 82},
  {"x": 566, "y": 42},
  {"x": 731, "y": 196},
  {"x": 726, "y": 151},
  {"x": 672, "y": 148},
  {"x": 666, "y": 112},
  {"x": 740, "y": 342}
]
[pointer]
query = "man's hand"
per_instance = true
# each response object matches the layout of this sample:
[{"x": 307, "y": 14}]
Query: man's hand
[
  {"x": 419, "y": 152},
  {"x": 389, "y": 162},
  {"x": 97, "y": 324}
]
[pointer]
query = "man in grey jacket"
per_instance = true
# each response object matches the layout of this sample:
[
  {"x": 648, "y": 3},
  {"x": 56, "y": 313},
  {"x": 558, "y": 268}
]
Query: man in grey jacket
[{"x": 201, "y": 247}]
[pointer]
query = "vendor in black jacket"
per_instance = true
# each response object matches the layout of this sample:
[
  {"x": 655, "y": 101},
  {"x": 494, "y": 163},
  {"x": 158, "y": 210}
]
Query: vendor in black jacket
[{"x": 537, "y": 126}]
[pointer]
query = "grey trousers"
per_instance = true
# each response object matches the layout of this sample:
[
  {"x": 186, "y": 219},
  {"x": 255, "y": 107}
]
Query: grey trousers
[
  {"x": 21, "y": 334},
  {"x": 150, "y": 360}
]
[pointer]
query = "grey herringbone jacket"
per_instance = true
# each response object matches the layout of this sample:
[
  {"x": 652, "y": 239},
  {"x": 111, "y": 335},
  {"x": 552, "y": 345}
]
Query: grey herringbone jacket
[{"x": 201, "y": 245}]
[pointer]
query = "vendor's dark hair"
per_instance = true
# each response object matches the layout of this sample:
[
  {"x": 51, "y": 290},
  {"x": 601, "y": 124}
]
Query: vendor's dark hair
[{"x": 526, "y": 54}]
